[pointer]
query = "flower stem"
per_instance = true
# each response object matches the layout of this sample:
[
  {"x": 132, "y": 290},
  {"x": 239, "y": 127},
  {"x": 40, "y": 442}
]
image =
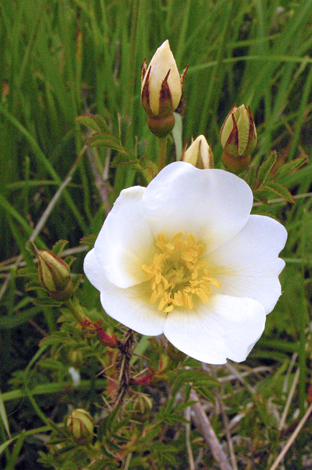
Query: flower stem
[
  {"x": 75, "y": 308},
  {"x": 162, "y": 156}
]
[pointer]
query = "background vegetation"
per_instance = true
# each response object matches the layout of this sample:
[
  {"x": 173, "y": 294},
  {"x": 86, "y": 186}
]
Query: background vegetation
[{"x": 60, "y": 59}]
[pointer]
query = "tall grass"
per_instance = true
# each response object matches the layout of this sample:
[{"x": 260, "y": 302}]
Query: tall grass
[{"x": 60, "y": 59}]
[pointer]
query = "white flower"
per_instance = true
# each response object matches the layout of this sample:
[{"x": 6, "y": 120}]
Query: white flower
[{"x": 184, "y": 257}]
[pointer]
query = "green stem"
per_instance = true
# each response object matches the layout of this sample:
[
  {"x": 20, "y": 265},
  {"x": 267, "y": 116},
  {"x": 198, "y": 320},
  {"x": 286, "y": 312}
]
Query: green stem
[
  {"x": 75, "y": 308},
  {"x": 162, "y": 156}
]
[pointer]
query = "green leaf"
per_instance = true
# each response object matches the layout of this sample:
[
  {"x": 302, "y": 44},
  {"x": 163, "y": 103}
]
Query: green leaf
[
  {"x": 101, "y": 139},
  {"x": 266, "y": 167},
  {"x": 148, "y": 168},
  {"x": 279, "y": 189},
  {"x": 124, "y": 159},
  {"x": 206, "y": 393},
  {"x": 140, "y": 148},
  {"x": 46, "y": 302},
  {"x": 107, "y": 425},
  {"x": 290, "y": 166},
  {"x": 251, "y": 176},
  {"x": 59, "y": 247},
  {"x": 260, "y": 197},
  {"x": 31, "y": 271},
  {"x": 34, "y": 285},
  {"x": 124, "y": 122},
  {"x": 94, "y": 122},
  {"x": 4, "y": 416},
  {"x": 89, "y": 240}
]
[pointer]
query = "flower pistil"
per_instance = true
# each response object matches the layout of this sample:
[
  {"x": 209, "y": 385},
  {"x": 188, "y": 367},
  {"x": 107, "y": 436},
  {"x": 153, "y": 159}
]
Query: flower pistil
[{"x": 177, "y": 274}]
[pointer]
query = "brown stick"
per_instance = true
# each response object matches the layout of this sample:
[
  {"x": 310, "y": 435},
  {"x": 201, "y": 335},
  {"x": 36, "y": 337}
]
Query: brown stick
[
  {"x": 203, "y": 424},
  {"x": 124, "y": 374}
]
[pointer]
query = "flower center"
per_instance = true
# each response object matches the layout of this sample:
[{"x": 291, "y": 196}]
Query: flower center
[{"x": 177, "y": 274}]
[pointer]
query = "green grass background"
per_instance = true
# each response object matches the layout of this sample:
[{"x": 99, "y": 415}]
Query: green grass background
[{"x": 60, "y": 59}]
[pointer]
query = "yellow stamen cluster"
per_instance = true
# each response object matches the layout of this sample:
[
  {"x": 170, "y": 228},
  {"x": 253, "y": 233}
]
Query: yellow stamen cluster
[{"x": 177, "y": 274}]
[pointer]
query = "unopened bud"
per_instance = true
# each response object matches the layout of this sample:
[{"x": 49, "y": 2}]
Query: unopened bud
[
  {"x": 161, "y": 90},
  {"x": 54, "y": 275},
  {"x": 80, "y": 425},
  {"x": 199, "y": 153},
  {"x": 238, "y": 138}
]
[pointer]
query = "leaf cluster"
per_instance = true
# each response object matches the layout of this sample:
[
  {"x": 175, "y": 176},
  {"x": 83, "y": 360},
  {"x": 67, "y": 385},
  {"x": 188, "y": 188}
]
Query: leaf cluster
[
  {"x": 265, "y": 180},
  {"x": 102, "y": 136}
]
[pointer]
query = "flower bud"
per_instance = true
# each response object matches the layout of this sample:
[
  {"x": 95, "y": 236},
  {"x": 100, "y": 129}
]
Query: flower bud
[
  {"x": 80, "y": 425},
  {"x": 161, "y": 90},
  {"x": 54, "y": 275},
  {"x": 238, "y": 138},
  {"x": 199, "y": 153}
]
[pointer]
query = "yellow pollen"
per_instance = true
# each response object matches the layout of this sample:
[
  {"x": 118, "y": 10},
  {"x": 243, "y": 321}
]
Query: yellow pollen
[{"x": 177, "y": 274}]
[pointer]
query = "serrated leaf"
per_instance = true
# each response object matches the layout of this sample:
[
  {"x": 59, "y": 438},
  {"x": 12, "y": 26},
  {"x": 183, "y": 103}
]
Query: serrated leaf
[
  {"x": 260, "y": 197},
  {"x": 266, "y": 167},
  {"x": 206, "y": 393},
  {"x": 124, "y": 159},
  {"x": 279, "y": 189},
  {"x": 70, "y": 259},
  {"x": 290, "y": 166},
  {"x": 89, "y": 240},
  {"x": 251, "y": 176},
  {"x": 124, "y": 122},
  {"x": 76, "y": 280},
  {"x": 31, "y": 271},
  {"x": 46, "y": 302},
  {"x": 148, "y": 168},
  {"x": 140, "y": 148},
  {"x": 101, "y": 139},
  {"x": 34, "y": 285},
  {"x": 107, "y": 425},
  {"x": 59, "y": 246},
  {"x": 185, "y": 405},
  {"x": 94, "y": 122}
]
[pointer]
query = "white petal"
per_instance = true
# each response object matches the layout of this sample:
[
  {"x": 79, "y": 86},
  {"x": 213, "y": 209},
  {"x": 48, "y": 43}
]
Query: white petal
[
  {"x": 130, "y": 306},
  {"x": 248, "y": 265},
  {"x": 224, "y": 327},
  {"x": 211, "y": 204},
  {"x": 125, "y": 241}
]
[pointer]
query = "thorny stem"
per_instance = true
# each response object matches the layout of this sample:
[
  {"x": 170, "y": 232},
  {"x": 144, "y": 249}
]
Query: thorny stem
[
  {"x": 162, "y": 156},
  {"x": 124, "y": 374}
]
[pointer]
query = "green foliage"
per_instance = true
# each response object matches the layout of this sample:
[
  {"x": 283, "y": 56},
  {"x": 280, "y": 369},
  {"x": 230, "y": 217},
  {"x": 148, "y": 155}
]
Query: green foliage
[{"x": 82, "y": 58}]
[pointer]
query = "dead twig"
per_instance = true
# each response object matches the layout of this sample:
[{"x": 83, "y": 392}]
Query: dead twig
[{"x": 204, "y": 426}]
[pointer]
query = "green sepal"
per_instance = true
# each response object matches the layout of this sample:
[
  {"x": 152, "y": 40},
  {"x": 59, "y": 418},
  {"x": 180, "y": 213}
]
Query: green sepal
[
  {"x": 94, "y": 122},
  {"x": 266, "y": 167},
  {"x": 124, "y": 122},
  {"x": 279, "y": 189}
]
